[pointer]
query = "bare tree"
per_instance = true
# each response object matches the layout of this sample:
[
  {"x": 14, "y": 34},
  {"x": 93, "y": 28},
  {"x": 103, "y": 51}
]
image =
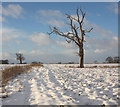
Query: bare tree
[
  {"x": 20, "y": 57},
  {"x": 109, "y": 59},
  {"x": 116, "y": 59},
  {"x": 74, "y": 35},
  {"x": 95, "y": 61},
  {"x": 4, "y": 61}
]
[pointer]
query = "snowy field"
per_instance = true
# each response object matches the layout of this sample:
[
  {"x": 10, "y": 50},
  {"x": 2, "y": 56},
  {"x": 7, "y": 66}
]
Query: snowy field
[{"x": 55, "y": 84}]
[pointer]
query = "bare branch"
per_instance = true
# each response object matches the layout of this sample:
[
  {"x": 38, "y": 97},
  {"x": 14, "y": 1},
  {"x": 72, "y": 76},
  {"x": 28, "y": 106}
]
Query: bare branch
[
  {"x": 88, "y": 30},
  {"x": 50, "y": 32},
  {"x": 76, "y": 34},
  {"x": 70, "y": 17},
  {"x": 55, "y": 30},
  {"x": 83, "y": 15},
  {"x": 81, "y": 11},
  {"x": 68, "y": 41},
  {"x": 74, "y": 29},
  {"x": 71, "y": 24},
  {"x": 78, "y": 16}
]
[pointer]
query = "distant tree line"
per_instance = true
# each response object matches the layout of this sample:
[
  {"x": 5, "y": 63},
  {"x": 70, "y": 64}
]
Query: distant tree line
[
  {"x": 35, "y": 62},
  {"x": 21, "y": 58},
  {"x": 4, "y": 61},
  {"x": 67, "y": 63},
  {"x": 110, "y": 59}
]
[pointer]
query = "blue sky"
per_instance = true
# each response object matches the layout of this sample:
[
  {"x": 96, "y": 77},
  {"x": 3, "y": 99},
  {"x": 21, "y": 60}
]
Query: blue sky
[{"x": 25, "y": 26}]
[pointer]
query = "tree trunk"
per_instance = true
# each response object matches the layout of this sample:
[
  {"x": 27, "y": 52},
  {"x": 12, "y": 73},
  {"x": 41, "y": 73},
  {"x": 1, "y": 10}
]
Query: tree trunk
[
  {"x": 3, "y": 89},
  {"x": 81, "y": 55},
  {"x": 20, "y": 61}
]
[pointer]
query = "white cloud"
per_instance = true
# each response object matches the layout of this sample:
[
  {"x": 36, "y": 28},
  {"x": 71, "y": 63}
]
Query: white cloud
[
  {"x": 54, "y": 22},
  {"x": 5, "y": 55},
  {"x": 12, "y": 35},
  {"x": 12, "y": 10},
  {"x": 109, "y": 45},
  {"x": 41, "y": 39},
  {"x": 105, "y": 41},
  {"x": 115, "y": 38},
  {"x": 50, "y": 13},
  {"x": 18, "y": 41},
  {"x": 114, "y": 7},
  {"x": 98, "y": 50},
  {"x": 51, "y": 17},
  {"x": 47, "y": 57},
  {"x": 9, "y": 56},
  {"x": 22, "y": 52},
  {"x": 98, "y": 30},
  {"x": 9, "y": 34},
  {"x": 64, "y": 44},
  {"x": 101, "y": 31},
  {"x": 116, "y": 10},
  {"x": 2, "y": 19},
  {"x": 69, "y": 52},
  {"x": 0, "y": 8}
]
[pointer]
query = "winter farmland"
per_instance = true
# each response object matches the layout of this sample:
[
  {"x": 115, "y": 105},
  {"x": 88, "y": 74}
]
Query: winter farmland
[{"x": 58, "y": 84}]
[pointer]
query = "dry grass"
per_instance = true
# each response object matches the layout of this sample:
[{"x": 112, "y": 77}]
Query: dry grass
[
  {"x": 105, "y": 66},
  {"x": 8, "y": 73}
]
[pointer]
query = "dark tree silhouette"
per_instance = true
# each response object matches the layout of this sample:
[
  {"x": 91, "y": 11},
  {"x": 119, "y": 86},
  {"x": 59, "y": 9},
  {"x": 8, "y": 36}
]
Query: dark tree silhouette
[
  {"x": 116, "y": 59},
  {"x": 74, "y": 35},
  {"x": 4, "y": 61},
  {"x": 95, "y": 61},
  {"x": 20, "y": 57},
  {"x": 109, "y": 59}
]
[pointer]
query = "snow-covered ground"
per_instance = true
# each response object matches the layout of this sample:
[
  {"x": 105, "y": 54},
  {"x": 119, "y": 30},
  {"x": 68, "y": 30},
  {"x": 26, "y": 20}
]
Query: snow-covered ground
[{"x": 55, "y": 84}]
